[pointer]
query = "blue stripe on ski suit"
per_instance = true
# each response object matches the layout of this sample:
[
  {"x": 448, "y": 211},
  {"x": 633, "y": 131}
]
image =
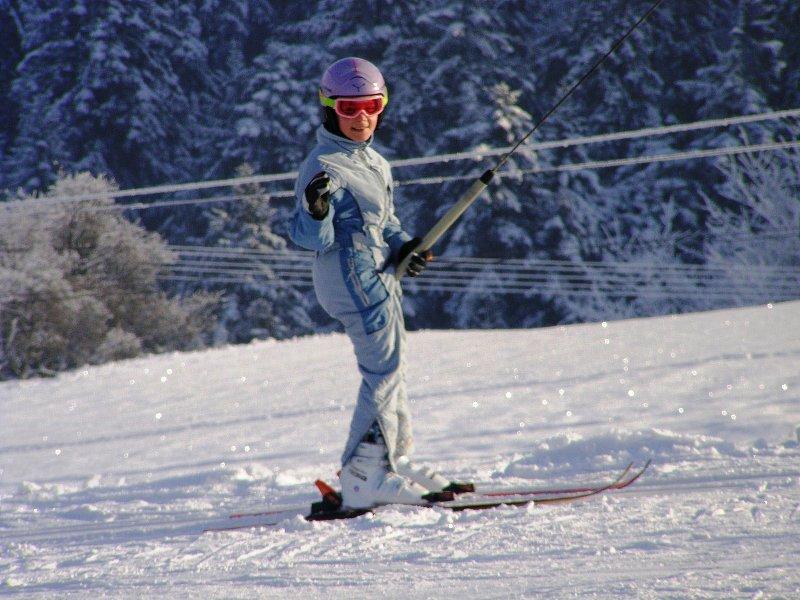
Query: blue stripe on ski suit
[{"x": 353, "y": 279}]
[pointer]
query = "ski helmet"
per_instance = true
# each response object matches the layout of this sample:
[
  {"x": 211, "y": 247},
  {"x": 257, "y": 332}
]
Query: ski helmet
[
  {"x": 352, "y": 77},
  {"x": 349, "y": 77}
]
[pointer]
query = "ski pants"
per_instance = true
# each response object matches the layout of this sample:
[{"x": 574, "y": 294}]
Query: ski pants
[{"x": 368, "y": 304}]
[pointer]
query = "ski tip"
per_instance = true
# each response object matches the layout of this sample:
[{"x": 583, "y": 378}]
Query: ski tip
[{"x": 635, "y": 477}]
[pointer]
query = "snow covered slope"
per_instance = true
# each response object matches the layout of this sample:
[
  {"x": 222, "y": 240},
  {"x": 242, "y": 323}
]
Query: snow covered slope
[{"x": 108, "y": 475}]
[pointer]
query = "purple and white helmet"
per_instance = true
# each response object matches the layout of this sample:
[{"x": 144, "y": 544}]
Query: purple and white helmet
[{"x": 352, "y": 77}]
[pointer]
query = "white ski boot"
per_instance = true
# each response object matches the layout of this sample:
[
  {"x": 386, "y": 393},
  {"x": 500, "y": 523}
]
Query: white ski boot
[{"x": 367, "y": 481}]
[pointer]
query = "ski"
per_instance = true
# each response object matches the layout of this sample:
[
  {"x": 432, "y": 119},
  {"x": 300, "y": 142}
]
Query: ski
[
  {"x": 480, "y": 502},
  {"x": 329, "y": 508},
  {"x": 617, "y": 485},
  {"x": 255, "y": 520}
]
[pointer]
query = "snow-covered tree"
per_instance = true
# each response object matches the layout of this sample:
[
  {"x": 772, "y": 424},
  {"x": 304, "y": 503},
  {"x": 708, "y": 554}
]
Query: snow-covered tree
[
  {"x": 265, "y": 305},
  {"x": 228, "y": 29},
  {"x": 787, "y": 17},
  {"x": 10, "y": 55},
  {"x": 649, "y": 214},
  {"x": 78, "y": 284},
  {"x": 467, "y": 90},
  {"x": 277, "y": 108},
  {"x": 107, "y": 87}
]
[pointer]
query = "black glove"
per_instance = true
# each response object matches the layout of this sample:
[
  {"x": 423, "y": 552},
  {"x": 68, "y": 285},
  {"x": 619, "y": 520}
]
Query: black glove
[
  {"x": 318, "y": 196},
  {"x": 419, "y": 260}
]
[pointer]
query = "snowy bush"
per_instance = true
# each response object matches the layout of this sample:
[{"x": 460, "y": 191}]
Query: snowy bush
[
  {"x": 78, "y": 284},
  {"x": 118, "y": 344},
  {"x": 753, "y": 239}
]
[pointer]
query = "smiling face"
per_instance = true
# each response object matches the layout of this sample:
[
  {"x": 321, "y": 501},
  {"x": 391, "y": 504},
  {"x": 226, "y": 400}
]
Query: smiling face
[{"x": 359, "y": 128}]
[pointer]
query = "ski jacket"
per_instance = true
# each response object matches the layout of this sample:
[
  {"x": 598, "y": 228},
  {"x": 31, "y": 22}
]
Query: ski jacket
[{"x": 361, "y": 215}]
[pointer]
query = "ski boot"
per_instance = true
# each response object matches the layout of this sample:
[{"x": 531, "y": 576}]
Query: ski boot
[{"x": 367, "y": 481}]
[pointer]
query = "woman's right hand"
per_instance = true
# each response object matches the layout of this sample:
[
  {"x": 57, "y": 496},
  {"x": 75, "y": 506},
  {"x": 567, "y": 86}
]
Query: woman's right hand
[{"x": 318, "y": 196}]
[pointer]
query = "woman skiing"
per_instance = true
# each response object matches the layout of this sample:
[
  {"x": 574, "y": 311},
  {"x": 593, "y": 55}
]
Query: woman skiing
[{"x": 346, "y": 214}]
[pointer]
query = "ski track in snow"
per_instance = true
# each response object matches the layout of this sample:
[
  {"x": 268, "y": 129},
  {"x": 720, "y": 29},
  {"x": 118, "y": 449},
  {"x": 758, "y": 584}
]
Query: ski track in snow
[{"x": 108, "y": 475}]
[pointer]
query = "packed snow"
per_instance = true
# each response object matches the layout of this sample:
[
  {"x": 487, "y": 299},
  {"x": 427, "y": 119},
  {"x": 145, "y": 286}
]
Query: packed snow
[{"x": 110, "y": 474}]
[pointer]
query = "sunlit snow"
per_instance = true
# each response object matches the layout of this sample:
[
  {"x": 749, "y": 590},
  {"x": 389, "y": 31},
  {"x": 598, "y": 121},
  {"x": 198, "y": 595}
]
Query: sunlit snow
[{"x": 108, "y": 475}]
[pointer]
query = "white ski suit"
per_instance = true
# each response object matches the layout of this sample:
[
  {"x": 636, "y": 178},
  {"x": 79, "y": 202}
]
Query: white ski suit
[{"x": 354, "y": 279}]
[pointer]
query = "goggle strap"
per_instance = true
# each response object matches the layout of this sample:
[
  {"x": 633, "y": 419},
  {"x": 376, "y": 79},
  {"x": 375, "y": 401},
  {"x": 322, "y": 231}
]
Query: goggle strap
[{"x": 325, "y": 101}]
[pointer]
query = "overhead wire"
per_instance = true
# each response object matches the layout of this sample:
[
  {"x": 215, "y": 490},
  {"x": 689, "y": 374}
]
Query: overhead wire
[
  {"x": 540, "y": 286},
  {"x": 630, "y": 134},
  {"x": 617, "y": 162},
  {"x": 608, "y": 273},
  {"x": 477, "y": 154},
  {"x": 564, "y": 282},
  {"x": 515, "y": 276},
  {"x": 498, "y": 263},
  {"x": 44, "y": 206},
  {"x": 749, "y": 294},
  {"x": 241, "y": 257},
  {"x": 463, "y": 274}
]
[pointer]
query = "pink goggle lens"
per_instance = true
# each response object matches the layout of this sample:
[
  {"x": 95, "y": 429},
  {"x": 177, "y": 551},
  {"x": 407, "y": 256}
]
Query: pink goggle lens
[{"x": 350, "y": 107}]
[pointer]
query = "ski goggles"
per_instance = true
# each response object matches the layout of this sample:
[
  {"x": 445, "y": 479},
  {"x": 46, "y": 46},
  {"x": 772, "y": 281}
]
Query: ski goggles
[{"x": 352, "y": 107}]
